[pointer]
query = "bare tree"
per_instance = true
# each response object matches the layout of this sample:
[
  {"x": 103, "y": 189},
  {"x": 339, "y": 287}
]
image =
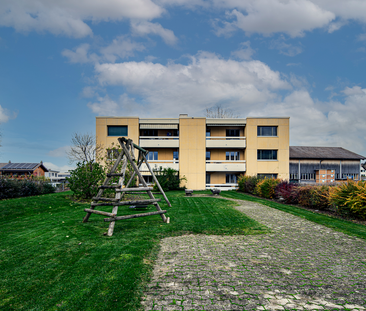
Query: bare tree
[
  {"x": 220, "y": 112},
  {"x": 84, "y": 148}
]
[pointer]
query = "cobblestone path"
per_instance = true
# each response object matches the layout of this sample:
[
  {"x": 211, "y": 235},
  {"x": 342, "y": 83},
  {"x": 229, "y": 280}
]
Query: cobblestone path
[{"x": 299, "y": 266}]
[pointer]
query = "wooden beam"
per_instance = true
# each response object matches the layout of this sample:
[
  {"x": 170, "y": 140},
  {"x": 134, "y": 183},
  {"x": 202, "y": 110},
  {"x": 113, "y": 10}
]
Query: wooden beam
[
  {"x": 110, "y": 187},
  {"x": 133, "y": 202},
  {"x": 134, "y": 216},
  {"x": 105, "y": 199},
  {"x": 99, "y": 212},
  {"x": 134, "y": 189}
]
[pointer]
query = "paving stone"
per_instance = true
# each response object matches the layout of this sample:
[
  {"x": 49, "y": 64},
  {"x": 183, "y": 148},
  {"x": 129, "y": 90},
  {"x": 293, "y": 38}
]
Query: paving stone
[{"x": 300, "y": 265}]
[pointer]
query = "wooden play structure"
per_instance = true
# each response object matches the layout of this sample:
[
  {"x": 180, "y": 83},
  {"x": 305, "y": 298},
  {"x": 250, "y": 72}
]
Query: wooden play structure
[{"x": 127, "y": 155}]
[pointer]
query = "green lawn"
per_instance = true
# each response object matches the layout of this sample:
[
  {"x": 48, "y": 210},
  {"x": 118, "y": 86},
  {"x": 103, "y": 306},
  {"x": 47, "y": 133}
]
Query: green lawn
[
  {"x": 50, "y": 260},
  {"x": 345, "y": 226}
]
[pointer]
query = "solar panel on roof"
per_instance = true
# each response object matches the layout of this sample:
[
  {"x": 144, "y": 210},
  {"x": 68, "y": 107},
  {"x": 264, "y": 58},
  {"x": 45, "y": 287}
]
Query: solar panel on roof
[{"x": 20, "y": 166}]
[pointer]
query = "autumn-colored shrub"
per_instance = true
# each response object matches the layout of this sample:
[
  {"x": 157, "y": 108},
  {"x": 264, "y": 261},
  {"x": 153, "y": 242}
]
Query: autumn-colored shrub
[
  {"x": 350, "y": 198},
  {"x": 266, "y": 188},
  {"x": 320, "y": 197},
  {"x": 316, "y": 197},
  {"x": 248, "y": 183},
  {"x": 287, "y": 191}
]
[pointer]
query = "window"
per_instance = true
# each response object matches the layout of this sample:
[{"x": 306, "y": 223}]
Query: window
[
  {"x": 175, "y": 155},
  {"x": 208, "y": 133},
  {"x": 152, "y": 156},
  {"x": 149, "y": 132},
  {"x": 208, "y": 178},
  {"x": 267, "y": 154},
  {"x": 208, "y": 155},
  {"x": 117, "y": 130},
  {"x": 232, "y": 155},
  {"x": 267, "y": 130},
  {"x": 231, "y": 178},
  {"x": 232, "y": 133},
  {"x": 267, "y": 176}
]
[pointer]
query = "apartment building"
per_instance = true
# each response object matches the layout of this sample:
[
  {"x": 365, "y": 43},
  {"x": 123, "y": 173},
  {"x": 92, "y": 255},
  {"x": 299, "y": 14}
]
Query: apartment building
[{"x": 208, "y": 152}]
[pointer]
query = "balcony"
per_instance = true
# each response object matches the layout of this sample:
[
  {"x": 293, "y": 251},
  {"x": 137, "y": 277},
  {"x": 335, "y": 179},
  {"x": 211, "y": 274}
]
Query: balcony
[
  {"x": 225, "y": 142},
  {"x": 155, "y": 164},
  {"x": 159, "y": 141},
  {"x": 225, "y": 166}
]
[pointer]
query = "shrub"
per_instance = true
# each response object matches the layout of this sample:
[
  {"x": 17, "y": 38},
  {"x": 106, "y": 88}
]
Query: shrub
[
  {"x": 316, "y": 197},
  {"x": 266, "y": 188},
  {"x": 350, "y": 198},
  {"x": 248, "y": 183},
  {"x": 168, "y": 179},
  {"x": 320, "y": 197},
  {"x": 85, "y": 179},
  {"x": 287, "y": 191},
  {"x": 14, "y": 188}
]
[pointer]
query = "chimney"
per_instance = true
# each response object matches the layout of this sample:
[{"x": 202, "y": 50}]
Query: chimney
[{"x": 183, "y": 115}]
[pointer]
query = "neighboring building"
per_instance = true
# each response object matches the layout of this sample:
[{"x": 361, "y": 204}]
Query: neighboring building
[
  {"x": 52, "y": 175},
  {"x": 208, "y": 152},
  {"x": 307, "y": 162},
  {"x": 363, "y": 171},
  {"x": 23, "y": 170}
]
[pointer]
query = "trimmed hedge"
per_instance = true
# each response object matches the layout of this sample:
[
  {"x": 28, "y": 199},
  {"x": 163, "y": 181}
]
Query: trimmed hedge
[{"x": 14, "y": 188}]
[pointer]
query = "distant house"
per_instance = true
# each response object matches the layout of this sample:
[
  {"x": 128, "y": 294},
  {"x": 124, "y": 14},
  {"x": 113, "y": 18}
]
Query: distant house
[
  {"x": 23, "y": 170},
  {"x": 363, "y": 171},
  {"x": 308, "y": 163},
  {"x": 52, "y": 175}
]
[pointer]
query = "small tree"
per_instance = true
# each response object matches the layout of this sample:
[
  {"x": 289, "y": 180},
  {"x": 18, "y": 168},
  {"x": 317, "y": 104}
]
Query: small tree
[
  {"x": 85, "y": 179},
  {"x": 168, "y": 178},
  {"x": 84, "y": 148},
  {"x": 218, "y": 112}
]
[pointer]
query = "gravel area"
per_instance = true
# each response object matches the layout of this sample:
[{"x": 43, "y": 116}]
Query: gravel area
[{"x": 300, "y": 265}]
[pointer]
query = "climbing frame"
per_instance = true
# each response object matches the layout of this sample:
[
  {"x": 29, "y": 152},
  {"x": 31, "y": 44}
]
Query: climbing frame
[{"x": 126, "y": 155}]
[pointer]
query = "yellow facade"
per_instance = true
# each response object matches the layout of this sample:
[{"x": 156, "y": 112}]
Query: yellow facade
[
  {"x": 281, "y": 142},
  {"x": 192, "y": 148},
  {"x": 192, "y": 152},
  {"x": 102, "y": 124}
]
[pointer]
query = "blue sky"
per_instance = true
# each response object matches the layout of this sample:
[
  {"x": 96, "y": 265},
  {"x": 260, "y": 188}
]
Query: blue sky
[{"x": 65, "y": 62}]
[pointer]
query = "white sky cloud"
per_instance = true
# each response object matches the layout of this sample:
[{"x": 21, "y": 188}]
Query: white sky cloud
[
  {"x": 204, "y": 82},
  {"x": 67, "y": 17},
  {"x": 54, "y": 167},
  {"x": 59, "y": 152},
  {"x": 143, "y": 28},
  {"x": 6, "y": 115},
  {"x": 341, "y": 124},
  {"x": 125, "y": 105},
  {"x": 285, "y": 48},
  {"x": 245, "y": 52},
  {"x": 121, "y": 47}
]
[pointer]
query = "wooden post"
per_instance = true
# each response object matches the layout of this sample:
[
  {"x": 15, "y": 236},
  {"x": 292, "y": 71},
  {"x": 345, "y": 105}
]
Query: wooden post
[
  {"x": 143, "y": 180},
  {"x": 100, "y": 192},
  {"x": 120, "y": 183},
  {"x": 156, "y": 181}
]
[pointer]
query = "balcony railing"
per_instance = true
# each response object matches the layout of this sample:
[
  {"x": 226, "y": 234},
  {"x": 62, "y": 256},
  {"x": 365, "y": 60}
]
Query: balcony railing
[
  {"x": 225, "y": 166},
  {"x": 159, "y": 141},
  {"x": 225, "y": 142},
  {"x": 155, "y": 164}
]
